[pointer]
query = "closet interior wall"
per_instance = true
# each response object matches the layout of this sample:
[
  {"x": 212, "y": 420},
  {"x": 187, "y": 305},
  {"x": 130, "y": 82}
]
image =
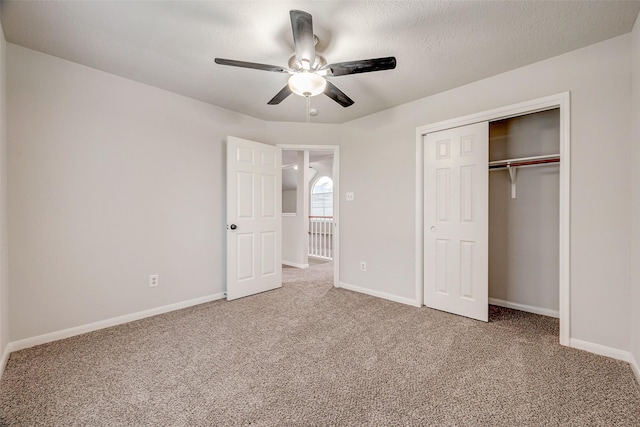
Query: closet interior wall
[{"x": 524, "y": 231}]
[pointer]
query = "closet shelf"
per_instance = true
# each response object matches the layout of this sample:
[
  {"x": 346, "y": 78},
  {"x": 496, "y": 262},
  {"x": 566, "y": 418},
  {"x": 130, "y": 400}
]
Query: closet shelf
[
  {"x": 524, "y": 161},
  {"x": 512, "y": 164}
]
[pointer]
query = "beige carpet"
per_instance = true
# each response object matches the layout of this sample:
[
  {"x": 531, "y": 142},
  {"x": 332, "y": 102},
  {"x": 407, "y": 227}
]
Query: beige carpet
[{"x": 312, "y": 355}]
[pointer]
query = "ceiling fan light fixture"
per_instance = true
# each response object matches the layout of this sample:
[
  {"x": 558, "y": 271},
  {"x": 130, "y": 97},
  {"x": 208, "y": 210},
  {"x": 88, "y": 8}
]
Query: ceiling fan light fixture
[{"x": 307, "y": 84}]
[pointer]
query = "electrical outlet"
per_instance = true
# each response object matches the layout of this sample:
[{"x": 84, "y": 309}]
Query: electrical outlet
[
  {"x": 363, "y": 266},
  {"x": 153, "y": 280},
  {"x": 350, "y": 196}
]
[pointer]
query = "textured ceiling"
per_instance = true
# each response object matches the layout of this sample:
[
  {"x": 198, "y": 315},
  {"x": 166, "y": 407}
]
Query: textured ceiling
[{"x": 439, "y": 45}]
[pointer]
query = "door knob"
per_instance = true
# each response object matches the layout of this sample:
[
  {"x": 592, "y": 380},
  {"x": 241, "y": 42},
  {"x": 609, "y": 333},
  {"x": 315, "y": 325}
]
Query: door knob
[
  {"x": 433, "y": 228},
  {"x": 233, "y": 226}
]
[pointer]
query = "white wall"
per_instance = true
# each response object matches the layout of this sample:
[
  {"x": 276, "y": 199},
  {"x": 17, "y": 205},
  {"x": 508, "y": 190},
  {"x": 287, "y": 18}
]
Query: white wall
[
  {"x": 110, "y": 181},
  {"x": 378, "y": 163},
  {"x": 4, "y": 282},
  {"x": 295, "y": 240},
  {"x": 289, "y": 201},
  {"x": 303, "y": 133},
  {"x": 524, "y": 232},
  {"x": 289, "y": 190},
  {"x": 635, "y": 254},
  {"x": 292, "y": 245}
]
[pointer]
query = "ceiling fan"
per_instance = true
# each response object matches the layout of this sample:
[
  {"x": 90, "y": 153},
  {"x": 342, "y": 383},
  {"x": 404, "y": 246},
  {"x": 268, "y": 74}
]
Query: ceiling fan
[{"x": 308, "y": 69}]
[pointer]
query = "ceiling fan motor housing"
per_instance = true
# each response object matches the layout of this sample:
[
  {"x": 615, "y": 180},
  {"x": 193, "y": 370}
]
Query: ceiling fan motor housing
[{"x": 299, "y": 66}]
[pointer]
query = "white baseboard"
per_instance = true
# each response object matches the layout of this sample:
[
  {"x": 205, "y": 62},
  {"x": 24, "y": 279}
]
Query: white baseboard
[
  {"x": 295, "y": 264},
  {"x": 602, "y": 350},
  {"x": 383, "y": 295},
  {"x": 524, "y": 307},
  {"x": 634, "y": 366},
  {"x": 5, "y": 359},
  {"x": 320, "y": 258},
  {"x": 90, "y": 327}
]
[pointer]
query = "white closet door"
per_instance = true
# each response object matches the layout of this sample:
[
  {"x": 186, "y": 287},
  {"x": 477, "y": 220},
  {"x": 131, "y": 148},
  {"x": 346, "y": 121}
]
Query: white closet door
[
  {"x": 254, "y": 217},
  {"x": 457, "y": 221}
]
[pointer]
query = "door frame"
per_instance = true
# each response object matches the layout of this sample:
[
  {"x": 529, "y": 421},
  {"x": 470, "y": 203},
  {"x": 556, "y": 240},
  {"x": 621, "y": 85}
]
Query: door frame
[
  {"x": 561, "y": 101},
  {"x": 335, "y": 149}
]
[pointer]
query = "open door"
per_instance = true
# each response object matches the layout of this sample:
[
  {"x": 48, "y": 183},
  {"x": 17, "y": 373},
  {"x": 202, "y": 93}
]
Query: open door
[
  {"x": 254, "y": 217},
  {"x": 456, "y": 206}
]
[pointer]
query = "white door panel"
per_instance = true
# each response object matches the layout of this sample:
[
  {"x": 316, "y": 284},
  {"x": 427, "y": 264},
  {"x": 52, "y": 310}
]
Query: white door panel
[
  {"x": 456, "y": 220},
  {"x": 254, "y": 227}
]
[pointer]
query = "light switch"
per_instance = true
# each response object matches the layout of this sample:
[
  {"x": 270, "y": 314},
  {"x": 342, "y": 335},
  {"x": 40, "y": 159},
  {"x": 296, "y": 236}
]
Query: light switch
[{"x": 349, "y": 196}]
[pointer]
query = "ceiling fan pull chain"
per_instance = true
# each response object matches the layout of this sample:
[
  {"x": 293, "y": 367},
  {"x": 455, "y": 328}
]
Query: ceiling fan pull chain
[{"x": 308, "y": 109}]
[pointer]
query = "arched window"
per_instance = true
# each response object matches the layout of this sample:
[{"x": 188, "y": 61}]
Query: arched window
[{"x": 322, "y": 197}]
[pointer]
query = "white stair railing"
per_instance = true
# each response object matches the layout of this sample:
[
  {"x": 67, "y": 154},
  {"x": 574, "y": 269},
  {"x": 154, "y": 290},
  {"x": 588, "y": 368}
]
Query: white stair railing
[{"x": 321, "y": 237}]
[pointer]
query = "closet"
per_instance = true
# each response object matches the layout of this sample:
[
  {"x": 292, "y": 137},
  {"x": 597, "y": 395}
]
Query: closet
[
  {"x": 524, "y": 212},
  {"x": 491, "y": 215}
]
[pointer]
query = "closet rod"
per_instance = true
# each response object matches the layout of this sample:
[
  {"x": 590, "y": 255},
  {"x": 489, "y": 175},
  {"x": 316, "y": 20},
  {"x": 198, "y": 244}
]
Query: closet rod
[
  {"x": 524, "y": 161},
  {"x": 512, "y": 166}
]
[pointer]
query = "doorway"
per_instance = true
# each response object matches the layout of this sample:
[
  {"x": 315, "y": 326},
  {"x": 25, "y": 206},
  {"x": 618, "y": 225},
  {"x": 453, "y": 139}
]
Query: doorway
[
  {"x": 310, "y": 206},
  {"x": 559, "y": 101}
]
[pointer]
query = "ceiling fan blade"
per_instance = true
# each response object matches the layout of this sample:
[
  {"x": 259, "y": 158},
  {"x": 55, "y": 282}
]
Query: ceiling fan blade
[
  {"x": 363, "y": 66},
  {"x": 302, "y": 27},
  {"x": 253, "y": 65},
  {"x": 280, "y": 96},
  {"x": 337, "y": 95}
]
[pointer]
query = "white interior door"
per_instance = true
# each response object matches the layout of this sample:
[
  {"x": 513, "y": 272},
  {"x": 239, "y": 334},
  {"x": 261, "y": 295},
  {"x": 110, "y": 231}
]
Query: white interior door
[
  {"x": 457, "y": 221},
  {"x": 254, "y": 217}
]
